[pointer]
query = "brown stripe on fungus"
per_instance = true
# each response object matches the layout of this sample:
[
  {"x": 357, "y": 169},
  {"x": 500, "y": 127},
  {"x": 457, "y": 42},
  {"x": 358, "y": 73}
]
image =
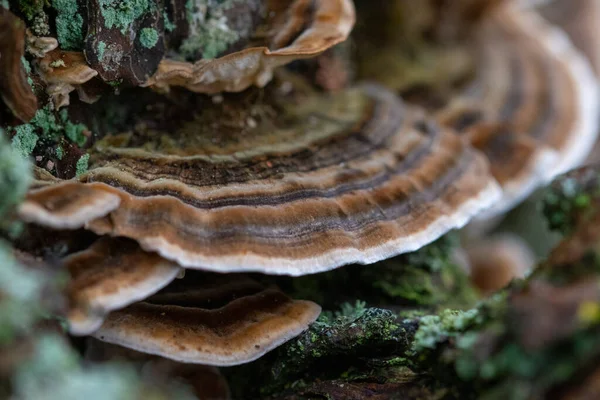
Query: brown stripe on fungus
[
  {"x": 580, "y": 19},
  {"x": 203, "y": 324},
  {"x": 111, "y": 274},
  {"x": 68, "y": 205},
  {"x": 63, "y": 72},
  {"x": 14, "y": 88},
  {"x": 328, "y": 23},
  {"x": 335, "y": 179},
  {"x": 533, "y": 107}
]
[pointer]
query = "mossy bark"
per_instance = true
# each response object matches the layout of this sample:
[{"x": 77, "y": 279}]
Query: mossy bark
[{"x": 539, "y": 338}]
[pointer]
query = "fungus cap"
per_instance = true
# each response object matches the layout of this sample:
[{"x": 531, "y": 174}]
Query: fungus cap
[
  {"x": 375, "y": 147},
  {"x": 579, "y": 19},
  {"x": 14, "y": 88},
  {"x": 68, "y": 205},
  {"x": 495, "y": 261},
  {"x": 355, "y": 176},
  {"x": 39, "y": 46},
  {"x": 63, "y": 72},
  {"x": 315, "y": 29},
  {"x": 223, "y": 320},
  {"x": 534, "y": 102},
  {"x": 111, "y": 274}
]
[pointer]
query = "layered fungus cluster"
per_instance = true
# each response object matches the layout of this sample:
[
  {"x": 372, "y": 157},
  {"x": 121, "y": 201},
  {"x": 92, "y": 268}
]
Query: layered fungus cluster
[{"x": 192, "y": 161}]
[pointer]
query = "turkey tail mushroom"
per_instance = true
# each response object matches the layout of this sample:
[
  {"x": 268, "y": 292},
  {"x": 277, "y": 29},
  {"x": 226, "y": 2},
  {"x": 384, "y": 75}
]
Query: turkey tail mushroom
[
  {"x": 111, "y": 274},
  {"x": 533, "y": 109},
  {"x": 14, "y": 88},
  {"x": 216, "y": 320},
  {"x": 495, "y": 261},
  {"x": 328, "y": 23},
  {"x": 63, "y": 72},
  {"x": 579, "y": 19},
  {"x": 352, "y": 177}
]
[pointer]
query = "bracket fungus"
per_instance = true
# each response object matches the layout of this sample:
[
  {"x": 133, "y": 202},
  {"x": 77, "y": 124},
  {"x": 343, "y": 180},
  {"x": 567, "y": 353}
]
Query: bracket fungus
[
  {"x": 579, "y": 18},
  {"x": 210, "y": 319},
  {"x": 40, "y": 46},
  {"x": 308, "y": 29},
  {"x": 68, "y": 205},
  {"x": 63, "y": 72},
  {"x": 14, "y": 87},
  {"x": 351, "y": 177},
  {"x": 533, "y": 107},
  {"x": 110, "y": 275},
  {"x": 493, "y": 262}
]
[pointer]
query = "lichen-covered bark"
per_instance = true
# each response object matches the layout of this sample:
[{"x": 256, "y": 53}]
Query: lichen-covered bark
[{"x": 538, "y": 338}]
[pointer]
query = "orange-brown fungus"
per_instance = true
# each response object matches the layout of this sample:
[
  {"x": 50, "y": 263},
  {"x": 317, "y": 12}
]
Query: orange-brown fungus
[
  {"x": 210, "y": 319},
  {"x": 14, "y": 88},
  {"x": 328, "y": 180},
  {"x": 63, "y": 72},
  {"x": 111, "y": 274},
  {"x": 328, "y": 23},
  {"x": 497, "y": 260},
  {"x": 532, "y": 108}
]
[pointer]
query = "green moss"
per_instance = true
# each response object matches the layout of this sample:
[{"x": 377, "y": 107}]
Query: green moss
[
  {"x": 513, "y": 372},
  {"x": 45, "y": 128},
  {"x": 69, "y": 24},
  {"x": 566, "y": 199},
  {"x": 353, "y": 328},
  {"x": 122, "y": 13},
  {"x": 26, "y": 65},
  {"x": 30, "y": 8},
  {"x": 101, "y": 50},
  {"x": 169, "y": 26},
  {"x": 33, "y": 11},
  {"x": 347, "y": 312},
  {"x": 75, "y": 132},
  {"x": 427, "y": 277},
  {"x": 50, "y": 129},
  {"x": 20, "y": 289},
  {"x": 428, "y": 281},
  {"x": 209, "y": 34},
  {"x": 330, "y": 346},
  {"x": 82, "y": 164},
  {"x": 435, "y": 329},
  {"x": 413, "y": 284},
  {"x": 24, "y": 140},
  {"x": 14, "y": 174},
  {"x": 45, "y": 120},
  {"x": 148, "y": 37},
  {"x": 434, "y": 256}
]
